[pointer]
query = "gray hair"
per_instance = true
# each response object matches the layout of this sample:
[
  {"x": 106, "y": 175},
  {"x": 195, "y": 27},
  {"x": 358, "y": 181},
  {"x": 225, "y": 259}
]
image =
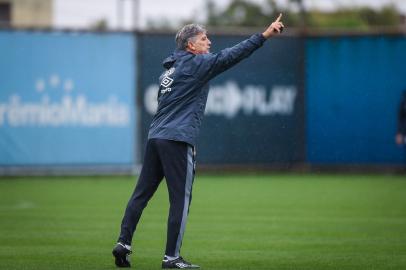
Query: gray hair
[{"x": 187, "y": 33}]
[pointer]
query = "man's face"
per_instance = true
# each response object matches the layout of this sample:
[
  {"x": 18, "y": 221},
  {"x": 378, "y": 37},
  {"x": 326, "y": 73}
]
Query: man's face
[{"x": 199, "y": 44}]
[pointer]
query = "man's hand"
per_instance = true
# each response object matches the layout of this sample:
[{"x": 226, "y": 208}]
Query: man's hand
[
  {"x": 399, "y": 139},
  {"x": 275, "y": 28}
]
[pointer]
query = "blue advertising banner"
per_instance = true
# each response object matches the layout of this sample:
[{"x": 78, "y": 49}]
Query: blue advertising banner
[
  {"x": 66, "y": 98},
  {"x": 255, "y": 110},
  {"x": 354, "y": 86}
]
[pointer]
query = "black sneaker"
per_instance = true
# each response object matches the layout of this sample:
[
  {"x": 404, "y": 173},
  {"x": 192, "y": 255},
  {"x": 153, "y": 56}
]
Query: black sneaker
[
  {"x": 179, "y": 263},
  {"x": 122, "y": 254}
]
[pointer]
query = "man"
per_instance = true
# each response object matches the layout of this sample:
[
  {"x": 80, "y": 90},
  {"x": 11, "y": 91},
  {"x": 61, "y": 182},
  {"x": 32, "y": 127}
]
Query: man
[
  {"x": 173, "y": 132},
  {"x": 401, "y": 132}
]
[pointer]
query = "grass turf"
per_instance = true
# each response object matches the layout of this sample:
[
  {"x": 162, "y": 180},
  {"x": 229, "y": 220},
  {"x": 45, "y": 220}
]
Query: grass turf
[{"x": 287, "y": 221}]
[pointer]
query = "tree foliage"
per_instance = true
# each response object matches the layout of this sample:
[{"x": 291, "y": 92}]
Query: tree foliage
[{"x": 246, "y": 13}]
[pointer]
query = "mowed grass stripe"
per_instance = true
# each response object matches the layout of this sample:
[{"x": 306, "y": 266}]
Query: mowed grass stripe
[{"x": 288, "y": 221}]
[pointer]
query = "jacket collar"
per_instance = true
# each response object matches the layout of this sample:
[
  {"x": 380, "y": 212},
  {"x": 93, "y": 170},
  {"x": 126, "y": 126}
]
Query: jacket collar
[{"x": 170, "y": 60}]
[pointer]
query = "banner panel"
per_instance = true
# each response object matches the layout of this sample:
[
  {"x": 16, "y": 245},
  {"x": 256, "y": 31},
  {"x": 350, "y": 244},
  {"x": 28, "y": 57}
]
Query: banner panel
[
  {"x": 354, "y": 87},
  {"x": 255, "y": 110},
  {"x": 66, "y": 98}
]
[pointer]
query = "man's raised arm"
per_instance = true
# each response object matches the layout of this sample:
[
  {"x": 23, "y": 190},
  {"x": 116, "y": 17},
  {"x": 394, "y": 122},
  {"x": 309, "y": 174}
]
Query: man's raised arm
[{"x": 219, "y": 62}]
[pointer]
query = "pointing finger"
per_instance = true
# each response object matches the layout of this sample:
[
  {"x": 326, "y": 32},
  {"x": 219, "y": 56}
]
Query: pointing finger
[{"x": 279, "y": 17}]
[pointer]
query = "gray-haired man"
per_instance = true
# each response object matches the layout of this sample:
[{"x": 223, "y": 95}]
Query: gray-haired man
[{"x": 174, "y": 130}]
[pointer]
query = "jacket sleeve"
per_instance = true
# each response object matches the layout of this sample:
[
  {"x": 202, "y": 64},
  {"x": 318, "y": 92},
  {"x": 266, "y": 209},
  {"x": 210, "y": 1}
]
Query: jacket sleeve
[{"x": 216, "y": 63}]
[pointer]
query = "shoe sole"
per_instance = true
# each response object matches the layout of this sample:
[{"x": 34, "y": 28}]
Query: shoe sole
[{"x": 176, "y": 267}]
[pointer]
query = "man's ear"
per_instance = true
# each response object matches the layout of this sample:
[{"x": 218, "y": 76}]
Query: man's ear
[{"x": 191, "y": 46}]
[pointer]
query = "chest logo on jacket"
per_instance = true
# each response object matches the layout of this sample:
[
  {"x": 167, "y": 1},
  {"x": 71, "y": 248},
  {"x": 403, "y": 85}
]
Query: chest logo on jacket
[{"x": 167, "y": 81}]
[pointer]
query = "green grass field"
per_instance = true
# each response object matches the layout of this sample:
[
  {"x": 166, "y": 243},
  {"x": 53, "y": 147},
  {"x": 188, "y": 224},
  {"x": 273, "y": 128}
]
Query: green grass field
[{"x": 287, "y": 221}]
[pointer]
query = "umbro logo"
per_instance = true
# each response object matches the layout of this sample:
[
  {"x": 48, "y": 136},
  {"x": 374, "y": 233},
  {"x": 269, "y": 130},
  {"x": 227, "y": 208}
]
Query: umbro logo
[
  {"x": 167, "y": 81},
  {"x": 182, "y": 265}
]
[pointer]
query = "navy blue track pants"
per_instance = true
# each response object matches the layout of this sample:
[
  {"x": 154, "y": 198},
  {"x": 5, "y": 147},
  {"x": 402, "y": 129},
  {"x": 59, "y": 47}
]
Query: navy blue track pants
[{"x": 175, "y": 161}]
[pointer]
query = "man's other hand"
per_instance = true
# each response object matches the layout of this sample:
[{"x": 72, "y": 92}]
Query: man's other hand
[{"x": 399, "y": 139}]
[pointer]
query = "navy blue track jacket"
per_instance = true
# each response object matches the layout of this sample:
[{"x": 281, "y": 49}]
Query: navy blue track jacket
[{"x": 184, "y": 89}]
